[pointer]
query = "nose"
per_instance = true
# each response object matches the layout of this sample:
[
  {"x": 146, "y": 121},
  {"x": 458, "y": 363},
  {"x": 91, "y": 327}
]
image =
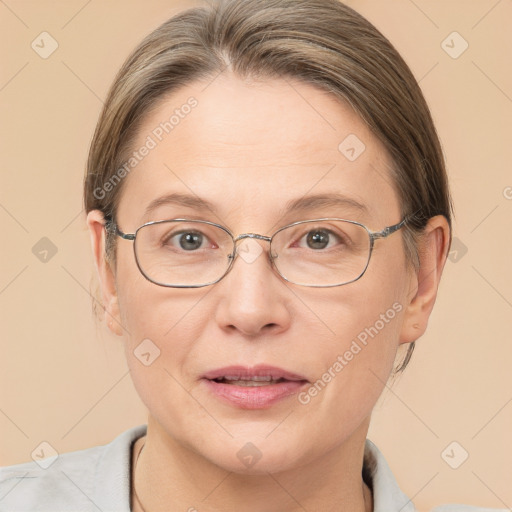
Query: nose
[{"x": 252, "y": 298}]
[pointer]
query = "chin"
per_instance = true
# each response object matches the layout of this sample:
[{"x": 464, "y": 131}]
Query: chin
[{"x": 259, "y": 456}]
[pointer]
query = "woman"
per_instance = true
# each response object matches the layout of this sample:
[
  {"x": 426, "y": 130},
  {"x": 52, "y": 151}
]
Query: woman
[{"x": 270, "y": 217}]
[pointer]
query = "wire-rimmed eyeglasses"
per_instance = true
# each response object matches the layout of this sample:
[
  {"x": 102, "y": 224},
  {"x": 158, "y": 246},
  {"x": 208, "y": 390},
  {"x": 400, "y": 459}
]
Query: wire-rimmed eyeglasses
[{"x": 190, "y": 253}]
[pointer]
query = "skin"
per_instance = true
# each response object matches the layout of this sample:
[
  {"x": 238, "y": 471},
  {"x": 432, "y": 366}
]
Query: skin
[{"x": 250, "y": 147}]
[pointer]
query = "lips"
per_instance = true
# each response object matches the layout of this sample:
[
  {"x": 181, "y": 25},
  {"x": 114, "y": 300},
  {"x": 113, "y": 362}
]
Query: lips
[
  {"x": 258, "y": 374},
  {"x": 257, "y": 387}
]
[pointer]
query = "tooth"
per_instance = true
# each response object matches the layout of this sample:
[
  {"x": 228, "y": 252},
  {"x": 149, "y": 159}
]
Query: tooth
[
  {"x": 254, "y": 383},
  {"x": 255, "y": 378}
]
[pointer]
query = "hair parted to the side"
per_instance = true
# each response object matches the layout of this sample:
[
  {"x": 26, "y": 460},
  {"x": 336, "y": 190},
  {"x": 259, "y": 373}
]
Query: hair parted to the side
[{"x": 320, "y": 42}]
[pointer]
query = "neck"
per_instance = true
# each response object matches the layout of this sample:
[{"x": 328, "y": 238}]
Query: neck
[{"x": 169, "y": 476}]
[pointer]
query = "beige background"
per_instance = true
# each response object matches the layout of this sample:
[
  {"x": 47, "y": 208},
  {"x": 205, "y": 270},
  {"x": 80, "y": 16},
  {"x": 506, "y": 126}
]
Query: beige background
[{"x": 63, "y": 378}]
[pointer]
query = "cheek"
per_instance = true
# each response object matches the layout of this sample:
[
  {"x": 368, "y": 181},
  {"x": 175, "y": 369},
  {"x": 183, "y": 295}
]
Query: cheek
[
  {"x": 162, "y": 353},
  {"x": 360, "y": 353},
  {"x": 160, "y": 325},
  {"x": 351, "y": 376},
  {"x": 148, "y": 310},
  {"x": 170, "y": 318},
  {"x": 354, "y": 362}
]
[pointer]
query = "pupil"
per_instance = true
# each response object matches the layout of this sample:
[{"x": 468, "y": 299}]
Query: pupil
[
  {"x": 190, "y": 241},
  {"x": 318, "y": 239}
]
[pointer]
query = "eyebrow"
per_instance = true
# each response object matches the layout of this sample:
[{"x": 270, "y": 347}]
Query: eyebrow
[
  {"x": 327, "y": 200},
  {"x": 302, "y": 204}
]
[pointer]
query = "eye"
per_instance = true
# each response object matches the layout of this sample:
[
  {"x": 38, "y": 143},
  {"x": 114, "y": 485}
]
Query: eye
[
  {"x": 322, "y": 238},
  {"x": 188, "y": 240}
]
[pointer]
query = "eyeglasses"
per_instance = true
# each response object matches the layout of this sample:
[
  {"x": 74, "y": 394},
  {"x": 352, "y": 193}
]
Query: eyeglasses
[{"x": 184, "y": 253}]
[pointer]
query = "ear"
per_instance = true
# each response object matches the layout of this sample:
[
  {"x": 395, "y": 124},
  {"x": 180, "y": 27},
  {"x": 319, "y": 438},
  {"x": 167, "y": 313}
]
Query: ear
[
  {"x": 106, "y": 276},
  {"x": 432, "y": 252}
]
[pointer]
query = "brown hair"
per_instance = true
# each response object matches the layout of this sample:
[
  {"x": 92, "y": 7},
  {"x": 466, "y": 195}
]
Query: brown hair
[{"x": 321, "y": 42}]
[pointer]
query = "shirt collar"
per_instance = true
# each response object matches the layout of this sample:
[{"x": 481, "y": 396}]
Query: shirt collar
[{"x": 387, "y": 496}]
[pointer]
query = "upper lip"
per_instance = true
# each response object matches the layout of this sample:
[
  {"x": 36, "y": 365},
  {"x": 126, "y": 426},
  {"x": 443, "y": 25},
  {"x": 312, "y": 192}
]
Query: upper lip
[{"x": 261, "y": 370}]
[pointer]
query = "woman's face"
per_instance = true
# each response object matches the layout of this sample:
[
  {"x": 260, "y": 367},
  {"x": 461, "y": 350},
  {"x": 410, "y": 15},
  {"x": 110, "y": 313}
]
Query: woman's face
[{"x": 249, "y": 149}]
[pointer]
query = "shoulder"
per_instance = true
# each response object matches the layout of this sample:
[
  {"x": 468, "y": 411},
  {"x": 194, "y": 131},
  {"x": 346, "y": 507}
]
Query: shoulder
[
  {"x": 387, "y": 495},
  {"x": 83, "y": 480}
]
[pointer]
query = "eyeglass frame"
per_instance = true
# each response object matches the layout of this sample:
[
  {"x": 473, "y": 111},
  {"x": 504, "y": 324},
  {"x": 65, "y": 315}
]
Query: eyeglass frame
[{"x": 374, "y": 235}]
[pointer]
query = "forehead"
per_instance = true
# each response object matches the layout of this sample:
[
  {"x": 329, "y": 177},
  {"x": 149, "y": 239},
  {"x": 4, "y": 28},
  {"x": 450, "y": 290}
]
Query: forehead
[{"x": 252, "y": 149}]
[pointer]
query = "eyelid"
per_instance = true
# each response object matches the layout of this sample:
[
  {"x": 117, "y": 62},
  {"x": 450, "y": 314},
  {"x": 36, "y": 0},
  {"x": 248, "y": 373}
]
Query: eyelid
[{"x": 332, "y": 230}]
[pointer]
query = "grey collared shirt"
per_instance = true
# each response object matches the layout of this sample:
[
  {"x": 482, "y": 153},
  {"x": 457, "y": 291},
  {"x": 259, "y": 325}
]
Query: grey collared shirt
[{"x": 98, "y": 479}]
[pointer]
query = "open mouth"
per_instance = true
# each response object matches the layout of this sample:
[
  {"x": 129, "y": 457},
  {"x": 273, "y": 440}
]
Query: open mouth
[
  {"x": 257, "y": 387},
  {"x": 249, "y": 382}
]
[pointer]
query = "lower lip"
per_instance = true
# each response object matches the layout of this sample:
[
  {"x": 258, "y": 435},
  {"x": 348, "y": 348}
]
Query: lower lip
[{"x": 254, "y": 397}]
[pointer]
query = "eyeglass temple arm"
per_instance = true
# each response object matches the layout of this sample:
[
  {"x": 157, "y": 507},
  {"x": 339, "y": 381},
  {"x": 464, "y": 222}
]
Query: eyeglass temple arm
[
  {"x": 111, "y": 224},
  {"x": 390, "y": 229}
]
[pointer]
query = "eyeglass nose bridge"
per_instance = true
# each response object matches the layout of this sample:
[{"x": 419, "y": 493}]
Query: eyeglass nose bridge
[
  {"x": 252, "y": 235},
  {"x": 249, "y": 235}
]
